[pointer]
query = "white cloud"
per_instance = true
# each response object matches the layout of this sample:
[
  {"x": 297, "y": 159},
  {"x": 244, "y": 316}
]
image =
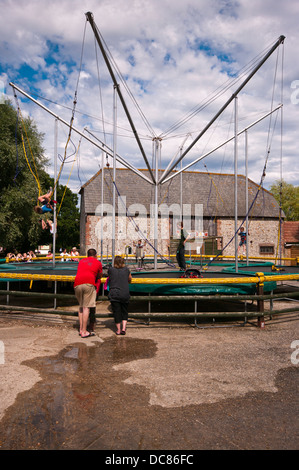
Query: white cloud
[{"x": 173, "y": 56}]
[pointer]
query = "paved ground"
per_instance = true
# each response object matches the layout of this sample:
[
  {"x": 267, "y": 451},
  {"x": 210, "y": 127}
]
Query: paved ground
[{"x": 160, "y": 387}]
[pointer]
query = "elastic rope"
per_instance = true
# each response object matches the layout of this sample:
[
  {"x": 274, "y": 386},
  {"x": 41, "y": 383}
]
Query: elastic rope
[
  {"x": 25, "y": 152},
  {"x": 141, "y": 234},
  {"x": 73, "y": 111},
  {"x": 69, "y": 177},
  {"x": 17, "y": 152},
  {"x": 35, "y": 175}
]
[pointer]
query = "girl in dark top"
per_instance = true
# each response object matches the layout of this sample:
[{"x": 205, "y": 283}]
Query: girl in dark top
[{"x": 119, "y": 293}]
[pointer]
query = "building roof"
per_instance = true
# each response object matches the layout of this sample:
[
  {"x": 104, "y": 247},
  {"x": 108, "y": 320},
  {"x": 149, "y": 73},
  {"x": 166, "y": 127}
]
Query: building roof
[{"x": 215, "y": 191}]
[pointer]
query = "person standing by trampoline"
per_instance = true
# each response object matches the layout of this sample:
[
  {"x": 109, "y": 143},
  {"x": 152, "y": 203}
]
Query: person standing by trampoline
[
  {"x": 140, "y": 254},
  {"x": 88, "y": 272},
  {"x": 180, "y": 253},
  {"x": 119, "y": 293}
]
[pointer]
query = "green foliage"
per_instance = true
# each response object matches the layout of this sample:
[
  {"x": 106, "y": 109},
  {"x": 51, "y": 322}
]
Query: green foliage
[
  {"x": 20, "y": 227},
  {"x": 288, "y": 195}
]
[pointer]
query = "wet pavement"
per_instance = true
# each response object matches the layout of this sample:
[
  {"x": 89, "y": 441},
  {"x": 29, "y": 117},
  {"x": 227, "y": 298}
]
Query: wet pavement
[{"x": 160, "y": 387}]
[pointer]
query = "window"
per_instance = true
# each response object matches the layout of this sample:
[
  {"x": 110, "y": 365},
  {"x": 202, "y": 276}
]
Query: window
[{"x": 267, "y": 249}]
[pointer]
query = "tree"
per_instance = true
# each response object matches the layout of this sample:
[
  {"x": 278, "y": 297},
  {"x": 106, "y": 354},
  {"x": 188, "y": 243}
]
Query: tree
[
  {"x": 23, "y": 169},
  {"x": 288, "y": 195},
  {"x": 17, "y": 191}
]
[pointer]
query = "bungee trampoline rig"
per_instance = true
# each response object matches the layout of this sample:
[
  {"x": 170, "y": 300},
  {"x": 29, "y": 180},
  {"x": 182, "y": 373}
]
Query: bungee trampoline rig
[{"x": 249, "y": 282}]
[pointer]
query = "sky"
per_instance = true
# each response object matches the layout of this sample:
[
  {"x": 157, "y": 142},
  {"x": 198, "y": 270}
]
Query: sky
[{"x": 176, "y": 65}]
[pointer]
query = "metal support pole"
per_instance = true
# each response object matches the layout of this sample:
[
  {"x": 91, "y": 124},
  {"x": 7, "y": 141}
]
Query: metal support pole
[
  {"x": 101, "y": 146},
  {"x": 7, "y": 297},
  {"x": 55, "y": 198},
  {"x": 168, "y": 178},
  {"x": 157, "y": 153},
  {"x": 260, "y": 302},
  {"x": 280, "y": 201},
  {"x": 252, "y": 73},
  {"x": 55, "y": 187},
  {"x": 236, "y": 183},
  {"x": 114, "y": 169},
  {"x": 102, "y": 206},
  {"x": 181, "y": 190},
  {"x": 89, "y": 17},
  {"x": 246, "y": 195}
]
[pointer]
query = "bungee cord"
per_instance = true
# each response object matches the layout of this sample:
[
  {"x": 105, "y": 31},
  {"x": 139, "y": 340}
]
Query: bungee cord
[
  {"x": 254, "y": 199},
  {"x": 73, "y": 111},
  {"x": 22, "y": 126},
  {"x": 229, "y": 83},
  {"x": 125, "y": 85},
  {"x": 131, "y": 219}
]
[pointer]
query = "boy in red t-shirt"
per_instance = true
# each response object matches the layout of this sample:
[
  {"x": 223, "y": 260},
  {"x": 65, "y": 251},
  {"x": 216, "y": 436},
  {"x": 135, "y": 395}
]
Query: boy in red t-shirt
[{"x": 88, "y": 272}]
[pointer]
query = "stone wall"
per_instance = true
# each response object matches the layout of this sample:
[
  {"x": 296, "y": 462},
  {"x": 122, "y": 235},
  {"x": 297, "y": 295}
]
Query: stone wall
[
  {"x": 127, "y": 232},
  {"x": 261, "y": 233}
]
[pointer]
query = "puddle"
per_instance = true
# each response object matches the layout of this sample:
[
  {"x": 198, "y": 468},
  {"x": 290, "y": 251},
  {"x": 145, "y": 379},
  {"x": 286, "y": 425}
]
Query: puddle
[{"x": 79, "y": 393}]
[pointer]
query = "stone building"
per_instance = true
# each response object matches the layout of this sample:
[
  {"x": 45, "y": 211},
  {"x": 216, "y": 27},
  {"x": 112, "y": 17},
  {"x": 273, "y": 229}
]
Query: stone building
[{"x": 208, "y": 209}]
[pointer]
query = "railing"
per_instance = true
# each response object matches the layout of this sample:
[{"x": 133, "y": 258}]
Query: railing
[
  {"x": 259, "y": 279},
  {"x": 69, "y": 258}
]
